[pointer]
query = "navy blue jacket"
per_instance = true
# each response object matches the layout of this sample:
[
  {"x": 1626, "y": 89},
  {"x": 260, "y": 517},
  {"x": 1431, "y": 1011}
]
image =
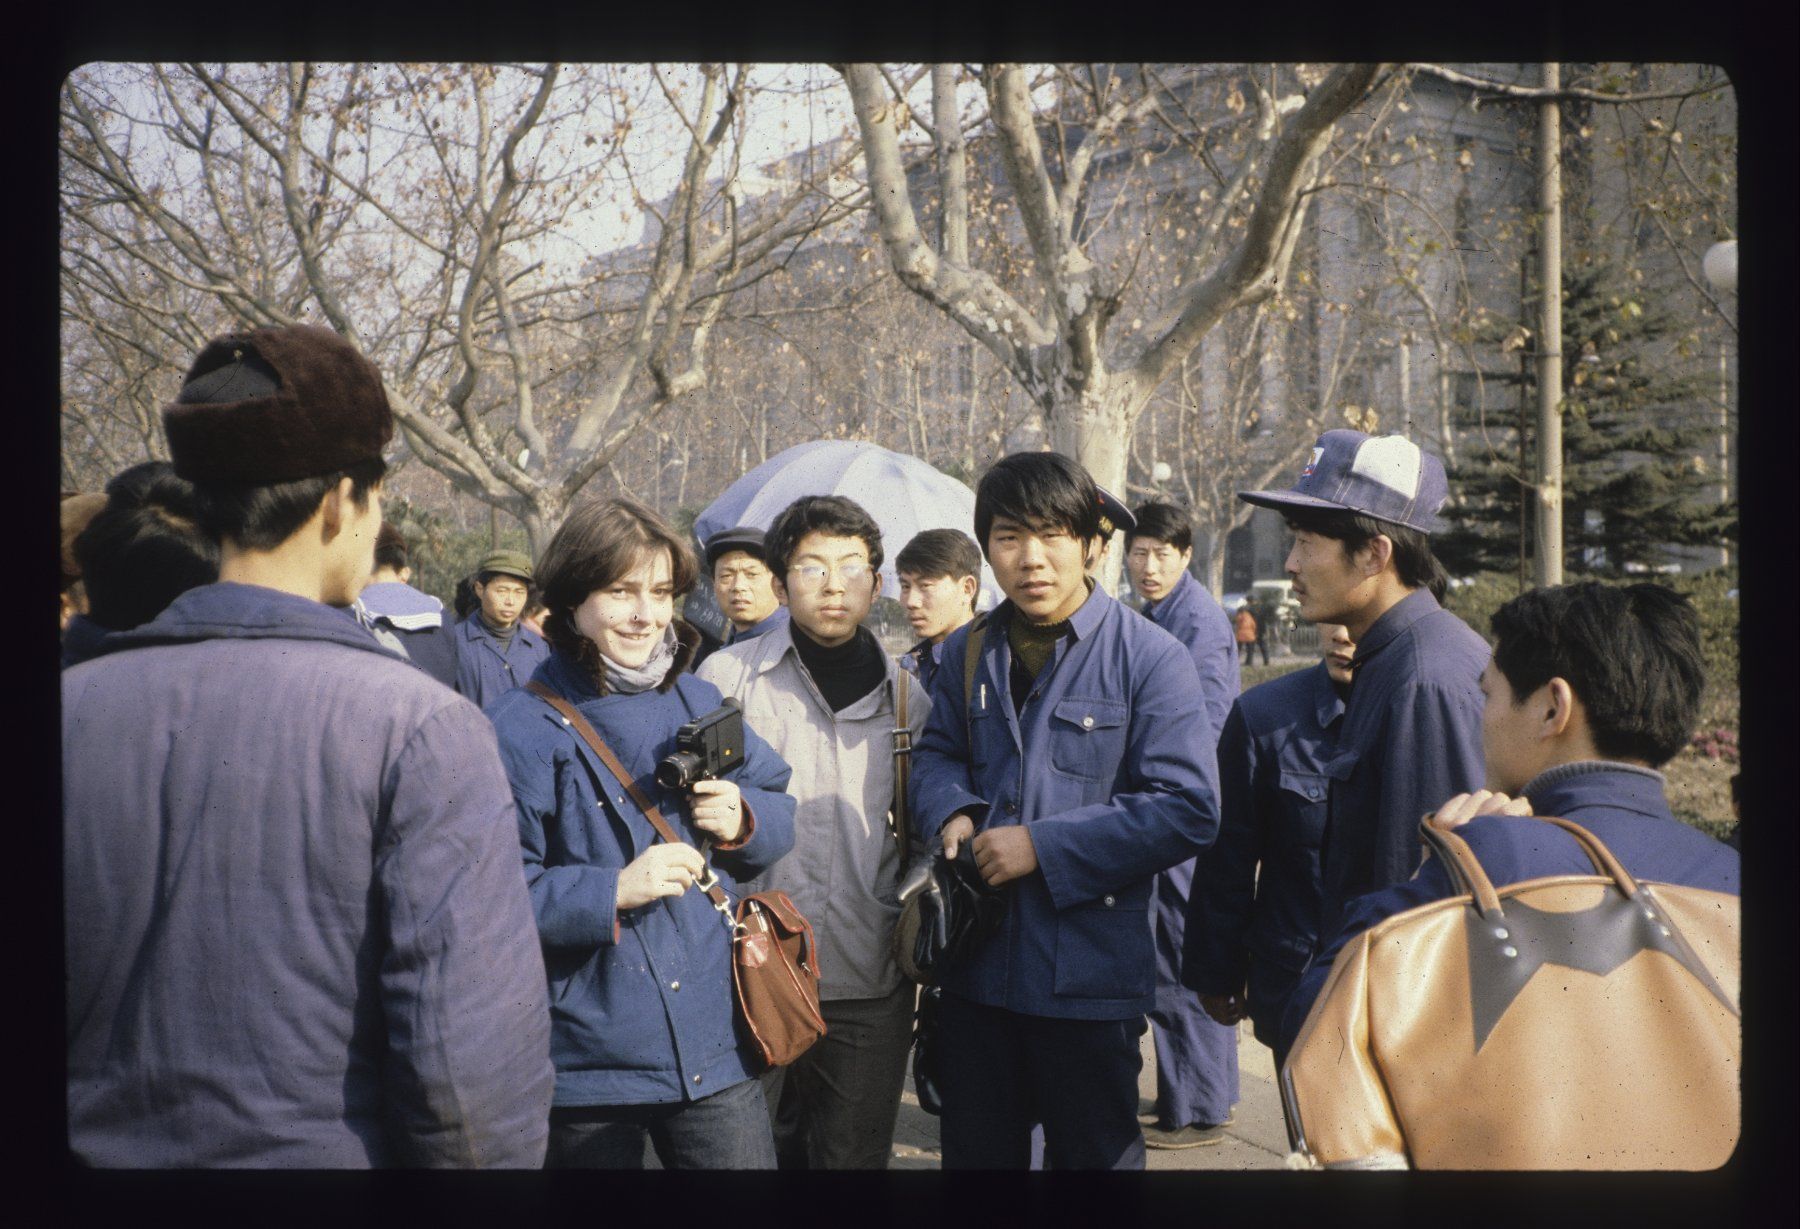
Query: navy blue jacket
[
  {"x": 924, "y": 659},
  {"x": 1411, "y": 739},
  {"x": 1111, "y": 763},
  {"x": 1191, "y": 616},
  {"x": 297, "y": 935},
  {"x": 484, "y": 670},
  {"x": 1621, "y": 804},
  {"x": 1251, "y": 925},
  {"x": 641, "y": 1006}
]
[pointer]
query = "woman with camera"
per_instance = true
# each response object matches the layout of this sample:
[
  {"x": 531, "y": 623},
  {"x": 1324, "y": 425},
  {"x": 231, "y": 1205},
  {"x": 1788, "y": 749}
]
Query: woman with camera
[{"x": 643, "y": 1029}]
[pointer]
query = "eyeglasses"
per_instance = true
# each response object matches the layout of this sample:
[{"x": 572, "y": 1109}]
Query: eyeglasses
[{"x": 809, "y": 576}]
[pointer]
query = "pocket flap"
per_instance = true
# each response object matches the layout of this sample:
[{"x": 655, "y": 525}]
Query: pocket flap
[
  {"x": 1089, "y": 714},
  {"x": 1311, "y": 786}
]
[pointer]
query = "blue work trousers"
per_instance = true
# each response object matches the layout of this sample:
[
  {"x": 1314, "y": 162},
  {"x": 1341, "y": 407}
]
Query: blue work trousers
[
  {"x": 1196, "y": 1056},
  {"x": 728, "y": 1130},
  {"x": 1001, "y": 1071}
]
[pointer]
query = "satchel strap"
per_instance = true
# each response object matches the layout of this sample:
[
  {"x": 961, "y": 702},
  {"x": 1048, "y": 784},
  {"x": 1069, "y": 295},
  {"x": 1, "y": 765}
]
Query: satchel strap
[
  {"x": 1464, "y": 869},
  {"x": 899, "y": 820},
  {"x": 572, "y": 717}
]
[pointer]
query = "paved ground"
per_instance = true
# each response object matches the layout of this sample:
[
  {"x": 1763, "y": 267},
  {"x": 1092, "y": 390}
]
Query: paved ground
[{"x": 1257, "y": 1139}]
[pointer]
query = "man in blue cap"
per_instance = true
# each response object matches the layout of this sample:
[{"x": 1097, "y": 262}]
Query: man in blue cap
[{"x": 1361, "y": 513}]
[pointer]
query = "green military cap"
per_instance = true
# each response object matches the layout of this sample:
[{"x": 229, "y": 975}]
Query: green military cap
[{"x": 511, "y": 562}]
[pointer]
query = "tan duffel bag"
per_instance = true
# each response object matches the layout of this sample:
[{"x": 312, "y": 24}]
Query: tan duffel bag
[{"x": 1570, "y": 1022}]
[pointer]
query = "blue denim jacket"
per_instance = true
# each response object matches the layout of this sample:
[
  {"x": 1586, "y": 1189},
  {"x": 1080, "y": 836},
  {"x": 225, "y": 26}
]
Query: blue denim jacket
[
  {"x": 641, "y": 1008},
  {"x": 1411, "y": 739},
  {"x": 1191, "y": 616},
  {"x": 1621, "y": 804},
  {"x": 1253, "y": 925},
  {"x": 1111, "y": 763}
]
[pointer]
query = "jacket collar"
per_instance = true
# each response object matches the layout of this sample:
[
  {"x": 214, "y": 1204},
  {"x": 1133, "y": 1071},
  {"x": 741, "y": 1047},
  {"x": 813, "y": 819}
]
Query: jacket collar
[
  {"x": 1398, "y": 618},
  {"x": 1326, "y": 702},
  {"x": 227, "y": 610},
  {"x": 1179, "y": 596},
  {"x": 776, "y": 645},
  {"x": 1587, "y": 783},
  {"x": 477, "y": 629},
  {"x": 1083, "y": 622},
  {"x": 768, "y": 625}
]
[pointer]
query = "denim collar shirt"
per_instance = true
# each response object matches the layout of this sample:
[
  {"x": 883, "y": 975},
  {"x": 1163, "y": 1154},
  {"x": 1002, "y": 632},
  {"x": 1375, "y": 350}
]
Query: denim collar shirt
[
  {"x": 1110, "y": 764},
  {"x": 1622, "y": 804},
  {"x": 1411, "y": 739}
]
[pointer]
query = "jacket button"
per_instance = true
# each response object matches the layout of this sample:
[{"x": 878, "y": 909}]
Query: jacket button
[
  {"x": 674, "y": 985},
  {"x": 1313, "y": 793},
  {"x": 696, "y": 1079},
  {"x": 1087, "y": 723},
  {"x": 1107, "y": 901}
]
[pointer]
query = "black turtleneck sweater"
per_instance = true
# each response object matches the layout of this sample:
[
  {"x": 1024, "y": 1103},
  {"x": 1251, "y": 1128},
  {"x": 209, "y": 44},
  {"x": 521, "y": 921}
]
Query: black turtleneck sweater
[{"x": 846, "y": 673}]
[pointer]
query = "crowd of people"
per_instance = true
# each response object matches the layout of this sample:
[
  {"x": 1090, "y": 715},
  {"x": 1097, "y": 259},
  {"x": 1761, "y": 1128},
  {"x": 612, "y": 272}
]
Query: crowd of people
[{"x": 345, "y": 888}]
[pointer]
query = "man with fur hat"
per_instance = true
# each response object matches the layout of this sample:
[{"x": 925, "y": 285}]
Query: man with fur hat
[{"x": 296, "y": 931}]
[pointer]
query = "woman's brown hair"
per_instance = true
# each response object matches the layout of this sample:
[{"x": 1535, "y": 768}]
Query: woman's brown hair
[{"x": 600, "y": 542}]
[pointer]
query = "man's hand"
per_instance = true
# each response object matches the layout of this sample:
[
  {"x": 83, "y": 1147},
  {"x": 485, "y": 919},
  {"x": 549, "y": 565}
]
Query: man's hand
[
  {"x": 1224, "y": 1008},
  {"x": 1464, "y": 807},
  {"x": 661, "y": 870},
  {"x": 1005, "y": 854},
  {"x": 718, "y": 809},
  {"x": 957, "y": 829}
]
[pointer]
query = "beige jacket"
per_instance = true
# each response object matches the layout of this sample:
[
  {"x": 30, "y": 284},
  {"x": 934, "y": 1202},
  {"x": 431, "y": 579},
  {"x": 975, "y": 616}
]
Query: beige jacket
[{"x": 845, "y": 867}]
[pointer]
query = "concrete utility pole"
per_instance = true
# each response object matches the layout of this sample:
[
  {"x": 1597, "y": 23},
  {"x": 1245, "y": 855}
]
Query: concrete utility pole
[{"x": 1548, "y": 524}]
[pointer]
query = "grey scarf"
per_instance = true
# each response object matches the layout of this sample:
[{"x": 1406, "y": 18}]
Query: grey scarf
[{"x": 628, "y": 680}]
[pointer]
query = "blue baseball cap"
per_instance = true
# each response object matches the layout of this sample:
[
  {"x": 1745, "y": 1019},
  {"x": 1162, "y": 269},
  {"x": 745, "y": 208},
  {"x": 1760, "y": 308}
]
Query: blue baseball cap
[{"x": 1387, "y": 477}]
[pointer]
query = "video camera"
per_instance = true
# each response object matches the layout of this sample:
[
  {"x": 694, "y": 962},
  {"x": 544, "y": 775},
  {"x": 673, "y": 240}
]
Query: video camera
[{"x": 706, "y": 747}]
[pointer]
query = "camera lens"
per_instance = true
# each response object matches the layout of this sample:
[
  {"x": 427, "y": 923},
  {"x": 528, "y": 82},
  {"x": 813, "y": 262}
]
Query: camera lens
[{"x": 678, "y": 771}]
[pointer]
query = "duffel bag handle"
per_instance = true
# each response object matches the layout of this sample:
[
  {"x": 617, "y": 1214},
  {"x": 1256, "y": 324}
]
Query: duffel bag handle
[{"x": 1464, "y": 868}]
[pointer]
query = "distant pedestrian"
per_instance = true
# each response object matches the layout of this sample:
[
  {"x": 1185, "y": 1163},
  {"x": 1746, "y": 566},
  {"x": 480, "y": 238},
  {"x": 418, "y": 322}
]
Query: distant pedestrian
[
  {"x": 826, "y": 696},
  {"x": 1243, "y": 625},
  {"x": 405, "y": 620},
  {"x": 1253, "y": 916},
  {"x": 1196, "y": 1056},
  {"x": 494, "y": 652},
  {"x": 296, "y": 933},
  {"x": 143, "y": 549},
  {"x": 940, "y": 578},
  {"x": 1361, "y": 513},
  {"x": 643, "y": 1027},
  {"x": 1076, "y": 765}
]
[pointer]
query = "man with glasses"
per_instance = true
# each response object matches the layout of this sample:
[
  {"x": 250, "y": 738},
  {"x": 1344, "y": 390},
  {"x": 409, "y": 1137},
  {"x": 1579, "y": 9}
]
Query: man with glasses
[
  {"x": 494, "y": 652},
  {"x": 822, "y": 692}
]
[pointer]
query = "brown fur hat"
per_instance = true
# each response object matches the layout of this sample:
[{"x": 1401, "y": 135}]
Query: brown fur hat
[{"x": 273, "y": 405}]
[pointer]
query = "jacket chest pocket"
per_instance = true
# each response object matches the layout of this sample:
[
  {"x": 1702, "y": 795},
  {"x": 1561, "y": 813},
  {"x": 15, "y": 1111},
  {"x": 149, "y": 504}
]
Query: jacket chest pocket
[
  {"x": 1087, "y": 738},
  {"x": 1304, "y": 797}
]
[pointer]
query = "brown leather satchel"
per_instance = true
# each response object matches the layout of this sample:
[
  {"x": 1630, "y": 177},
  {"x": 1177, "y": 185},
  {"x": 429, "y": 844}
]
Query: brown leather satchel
[
  {"x": 774, "y": 958},
  {"x": 1569, "y": 1022}
]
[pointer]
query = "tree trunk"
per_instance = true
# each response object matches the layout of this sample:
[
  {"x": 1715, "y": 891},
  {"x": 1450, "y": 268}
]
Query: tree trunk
[{"x": 1094, "y": 428}]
